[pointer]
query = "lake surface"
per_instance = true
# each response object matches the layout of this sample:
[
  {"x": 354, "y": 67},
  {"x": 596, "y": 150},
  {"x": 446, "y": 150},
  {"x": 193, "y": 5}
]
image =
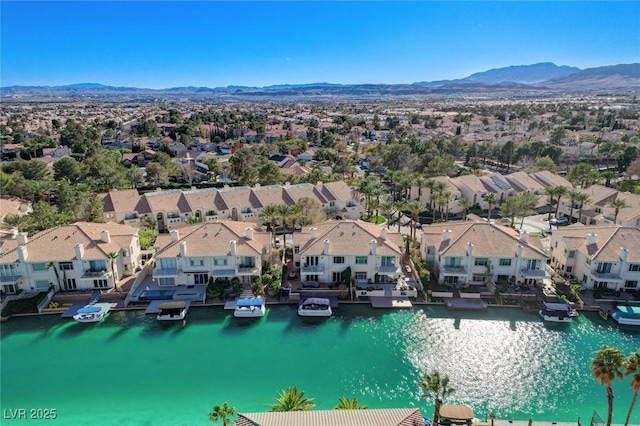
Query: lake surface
[{"x": 132, "y": 370}]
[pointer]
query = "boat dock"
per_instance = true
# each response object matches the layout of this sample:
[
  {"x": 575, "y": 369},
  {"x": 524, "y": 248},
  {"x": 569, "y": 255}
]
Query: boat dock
[
  {"x": 390, "y": 302},
  {"x": 154, "y": 306},
  {"x": 69, "y": 313},
  {"x": 465, "y": 304},
  {"x": 333, "y": 300}
]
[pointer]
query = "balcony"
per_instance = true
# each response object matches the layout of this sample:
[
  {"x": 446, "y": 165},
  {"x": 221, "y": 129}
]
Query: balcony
[
  {"x": 166, "y": 273},
  {"x": 93, "y": 273},
  {"x": 247, "y": 270},
  {"x": 454, "y": 270},
  {"x": 533, "y": 273},
  {"x": 312, "y": 269},
  {"x": 605, "y": 276},
  {"x": 389, "y": 270},
  {"x": 10, "y": 279}
]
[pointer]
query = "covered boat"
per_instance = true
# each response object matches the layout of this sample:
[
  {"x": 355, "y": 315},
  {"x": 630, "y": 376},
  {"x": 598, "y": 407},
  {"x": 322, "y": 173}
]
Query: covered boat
[
  {"x": 92, "y": 313},
  {"x": 627, "y": 315},
  {"x": 557, "y": 312},
  {"x": 315, "y": 307},
  {"x": 172, "y": 311},
  {"x": 248, "y": 308}
]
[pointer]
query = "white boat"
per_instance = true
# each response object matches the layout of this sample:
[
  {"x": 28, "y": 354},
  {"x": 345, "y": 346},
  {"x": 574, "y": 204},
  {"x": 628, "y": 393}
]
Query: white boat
[
  {"x": 315, "y": 307},
  {"x": 249, "y": 308},
  {"x": 172, "y": 311},
  {"x": 92, "y": 313},
  {"x": 557, "y": 312},
  {"x": 627, "y": 315}
]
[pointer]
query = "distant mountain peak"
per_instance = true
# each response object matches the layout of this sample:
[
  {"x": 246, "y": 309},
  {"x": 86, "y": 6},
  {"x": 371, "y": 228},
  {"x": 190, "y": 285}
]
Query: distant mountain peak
[{"x": 525, "y": 74}]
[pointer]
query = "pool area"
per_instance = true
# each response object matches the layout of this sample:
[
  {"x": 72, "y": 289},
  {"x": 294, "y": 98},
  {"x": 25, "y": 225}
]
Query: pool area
[
  {"x": 147, "y": 295},
  {"x": 503, "y": 361}
]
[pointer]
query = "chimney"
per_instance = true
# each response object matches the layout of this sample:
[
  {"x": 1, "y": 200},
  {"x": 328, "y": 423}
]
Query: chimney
[
  {"x": 374, "y": 247},
  {"x": 524, "y": 237},
  {"x": 183, "y": 249},
  {"x": 446, "y": 235},
  {"x": 383, "y": 233},
  {"x": 232, "y": 248},
  {"x": 175, "y": 235},
  {"x": 313, "y": 233},
  {"x": 319, "y": 183},
  {"x": 22, "y": 253},
  {"x": 249, "y": 233},
  {"x": 519, "y": 250},
  {"x": 469, "y": 249},
  {"x": 624, "y": 252},
  {"x": 591, "y": 239},
  {"x": 79, "y": 249},
  {"x": 326, "y": 247},
  {"x": 21, "y": 238},
  {"x": 105, "y": 236}
]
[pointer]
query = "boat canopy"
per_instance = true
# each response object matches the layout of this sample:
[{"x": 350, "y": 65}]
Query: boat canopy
[
  {"x": 172, "y": 305},
  {"x": 316, "y": 301},
  {"x": 89, "y": 310},
  {"x": 633, "y": 310},
  {"x": 247, "y": 303},
  {"x": 557, "y": 307},
  {"x": 456, "y": 412}
]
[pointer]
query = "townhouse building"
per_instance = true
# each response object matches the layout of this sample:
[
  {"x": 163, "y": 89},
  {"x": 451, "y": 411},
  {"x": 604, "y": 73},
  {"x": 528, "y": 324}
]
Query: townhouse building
[
  {"x": 598, "y": 256},
  {"x": 219, "y": 250},
  {"x": 324, "y": 251},
  {"x": 597, "y": 211},
  {"x": 174, "y": 208},
  {"x": 81, "y": 256},
  {"x": 476, "y": 253}
]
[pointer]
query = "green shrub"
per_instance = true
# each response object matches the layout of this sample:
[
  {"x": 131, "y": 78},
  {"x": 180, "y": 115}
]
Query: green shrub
[{"x": 214, "y": 289}]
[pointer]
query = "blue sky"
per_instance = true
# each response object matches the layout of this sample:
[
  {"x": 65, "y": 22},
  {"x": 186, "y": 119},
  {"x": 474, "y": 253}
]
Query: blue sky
[{"x": 215, "y": 43}]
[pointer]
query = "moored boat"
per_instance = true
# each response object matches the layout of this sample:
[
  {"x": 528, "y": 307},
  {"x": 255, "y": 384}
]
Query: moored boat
[
  {"x": 249, "y": 308},
  {"x": 172, "y": 311},
  {"x": 315, "y": 307},
  {"x": 557, "y": 312},
  {"x": 627, "y": 315},
  {"x": 92, "y": 313}
]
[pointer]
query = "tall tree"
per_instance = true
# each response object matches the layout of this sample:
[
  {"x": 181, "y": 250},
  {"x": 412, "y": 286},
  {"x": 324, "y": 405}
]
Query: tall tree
[
  {"x": 465, "y": 203},
  {"x": 223, "y": 412},
  {"x": 510, "y": 209},
  {"x": 490, "y": 199},
  {"x": 52, "y": 265},
  {"x": 414, "y": 207},
  {"x": 581, "y": 199},
  {"x": 436, "y": 387},
  {"x": 606, "y": 367},
  {"x": 112, "y": 256},
  {"x": 19, "y": 222},
  {"x": 291, "y": 399},
  {"x": 632, "y": 368},
  {"x": 617, "y": 204}
]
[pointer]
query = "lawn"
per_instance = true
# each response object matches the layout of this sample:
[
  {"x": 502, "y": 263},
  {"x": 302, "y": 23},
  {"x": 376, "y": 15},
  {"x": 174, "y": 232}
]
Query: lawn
[{"x": 24, "y": 306}]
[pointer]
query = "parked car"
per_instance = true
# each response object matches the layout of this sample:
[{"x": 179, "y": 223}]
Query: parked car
[{"x": 559, "y": 221}]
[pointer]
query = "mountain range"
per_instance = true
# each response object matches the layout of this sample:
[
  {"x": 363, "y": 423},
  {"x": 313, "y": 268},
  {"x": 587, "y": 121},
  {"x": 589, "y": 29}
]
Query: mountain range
[{"x": 541, "y": 77}]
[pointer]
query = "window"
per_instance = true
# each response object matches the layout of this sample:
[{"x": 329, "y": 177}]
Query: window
[
  {"x": 479, "y": 278},
  {"x": 219, "y": 261},
  {"x": 505, "y": 262},
  {"x": 361, "y": 276},
  {"x": 70, "y": 283},
  {"x": 361, "y": 260},
  {"x": 39, "y": 267},
  {"x": 196, "y": 261},
  {"x": 481, "y": 261},
  {"x": 604, "y": 268},
  {"x": 8, "y": 270},
  {"x": 296, "y": 249},
  {"x": 630, "y": 284},
  {"x": 337, "y": 277},
  {"x": 338, "y": 259},
  {"x": 66, "y": 266},
  {"x": 166, "y": 281},
  {"x": 42, "y": 284},
  {"x": 451, "y": 262},
  {"x": 388, "y": 261},
  {"x": 100, "y": 283},
  {"x": 572, "y": 254},
  {"x": 167, "y": 263},
  {"x": 569, "y": 268},
  {"x": 200, "y": 278},
  {"x": 634, "y": 267}
]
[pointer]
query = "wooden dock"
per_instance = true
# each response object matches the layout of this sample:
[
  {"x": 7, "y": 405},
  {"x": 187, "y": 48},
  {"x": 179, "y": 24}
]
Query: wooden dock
[
  {"x": 465, "y": 304},
  {"x": 390, "y": 302}
]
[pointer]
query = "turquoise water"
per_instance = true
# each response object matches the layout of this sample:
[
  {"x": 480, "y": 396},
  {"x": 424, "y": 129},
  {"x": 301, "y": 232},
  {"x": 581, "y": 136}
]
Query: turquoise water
[{"x": 131, "y": 370}]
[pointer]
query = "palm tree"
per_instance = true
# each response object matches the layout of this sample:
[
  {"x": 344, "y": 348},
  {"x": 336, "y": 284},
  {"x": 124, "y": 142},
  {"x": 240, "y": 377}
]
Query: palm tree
[
  {"x": 436, "y": 387},
  {"x": 606, "y": 366},
  {"x": 465, "y": 203},
  {"x": 270, "y": 214},
  {"x": 490, "y": 198},
  {"x": 608, "y": 176},
  {"x": 291, "y": 399},
  {"x": 20, "y": 222},
  {"x": 560, "y": 191},
  {"x": 431, "y": 184},
  {"x": 573, "y": 197},
  {"x": 581, "y": 199},
  {"x": 388, "y": 208},
  {"x": 52, "y": 265},
  {"x": 112, "y": 259},
  {"x": 420, "y": 182},
  {"x": 617, "y": 204},
  {"x": 550, "y": 191},
  {"x": 400, "y": 205},
  {"x": 349, "y": 404},
  {"x": 632, "y": 368},
  {"x": 414, "y": 207},
  {"x": 222, "y": 412},
  {"x": 444, "y": 211}
]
